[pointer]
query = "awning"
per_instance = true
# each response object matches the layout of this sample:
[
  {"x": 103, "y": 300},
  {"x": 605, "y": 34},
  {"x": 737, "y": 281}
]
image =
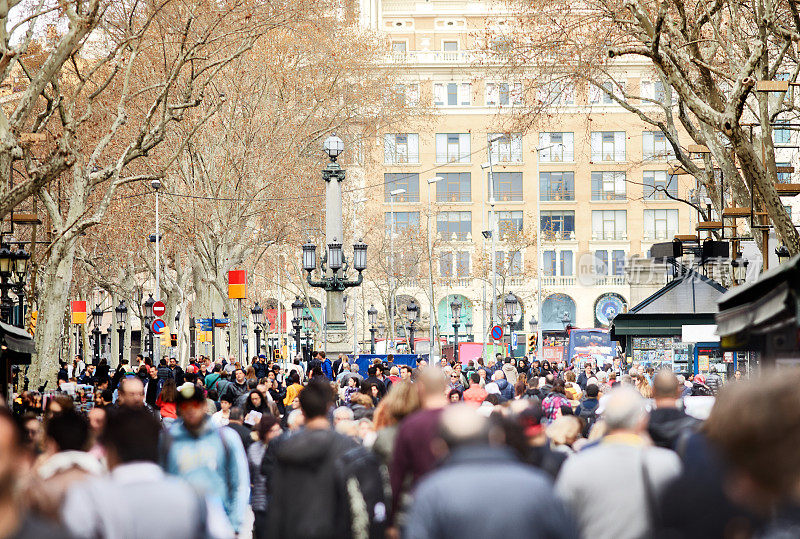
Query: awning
[
  {"x": 16, "y": 344},
  {"x": 771, "y": 305},
  {"x": 652, "y": 324}
]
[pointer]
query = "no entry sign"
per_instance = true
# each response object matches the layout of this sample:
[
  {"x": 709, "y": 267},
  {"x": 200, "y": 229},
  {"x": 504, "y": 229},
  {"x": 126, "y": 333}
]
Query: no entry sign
[
  {"x": 158, "y": 326},
  {"x": 497, "y": 333},
  {"x": 159, "y": 308}
]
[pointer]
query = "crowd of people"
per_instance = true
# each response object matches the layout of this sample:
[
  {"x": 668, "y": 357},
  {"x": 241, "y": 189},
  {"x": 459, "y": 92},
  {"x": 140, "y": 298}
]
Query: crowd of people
[{"x": 326, "y": 448}]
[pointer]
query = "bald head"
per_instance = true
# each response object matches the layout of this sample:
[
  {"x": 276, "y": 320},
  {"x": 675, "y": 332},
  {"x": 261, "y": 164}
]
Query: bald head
[
  {"x": 131, "y": 392},
  {"x": 432, "y": 381},
  {"x": 625, "y": 410},
  {"x": 665, "y": 385},
  {"x": 461, "y": 425}
]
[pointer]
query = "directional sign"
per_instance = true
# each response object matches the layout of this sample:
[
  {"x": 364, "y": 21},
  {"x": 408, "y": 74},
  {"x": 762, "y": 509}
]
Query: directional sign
[
  {"x": 497, "y": 333},
  {"x": 159, "y": 308},
  {"x": 158, "y": 326},
  {"x": 205, "y": 323},
  {"x": 513, "y": 340}
]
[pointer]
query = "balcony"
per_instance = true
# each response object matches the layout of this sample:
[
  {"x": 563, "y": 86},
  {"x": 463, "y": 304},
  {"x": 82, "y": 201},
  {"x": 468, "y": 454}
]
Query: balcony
[
  {"x": 556, "y": 235},
  {"x": 454, "y": 197},
  {"x": 609, "y": 235},
  {"x": 455, "y": 236},
  {"x": 608, "y": 280},
  {"x": 508, "y": 196},
  {"x": 599, "y": 195},
  {"x": 558, "y": 281},
  {"x": 433, "y": 57},
  {"x": 558, "y": 195},
  {"x": 651, "y": 235},
  {"x": 567, "y": 156}
]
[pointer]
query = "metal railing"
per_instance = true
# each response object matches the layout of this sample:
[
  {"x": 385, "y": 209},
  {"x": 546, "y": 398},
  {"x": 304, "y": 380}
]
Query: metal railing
[{"x": 600, "y": 195}]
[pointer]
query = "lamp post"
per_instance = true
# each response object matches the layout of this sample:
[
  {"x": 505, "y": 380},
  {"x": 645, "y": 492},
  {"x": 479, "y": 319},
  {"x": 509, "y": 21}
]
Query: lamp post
[
  {"x": 433, "y": 320},
  {"x": 455, "y": 309},
  {"x": 511, "y": 304},
  {"x": 334, "y": 265},
  {"x": 566, "y": 320},
  {"x": 192, "y": 336},
  {"x": 258, "y": 319},
  {"x": 413, "y": 315},
  {"x": 156, "y": 185},
  {"x": 148, "y": 320},
  {"x": 297, "y": 312},
  {"x": 307, "y": 327},
  {"x": 392, "y": 279},
  {"x": 468, "y": 328},
  {"x": 21, "y": 257},
  {"x": 493, "y": 226},
  {"x": 372, "y": 316},
  {"x": 227, "y": 331},
  {"x": 739, "y": 268},
  {"x": 13, "y": 264},
  {"x": 121, "y": 312},
  {"x": 783, "y": 254},
  {"x": 533, "y": 325},
  {"x": 97, "y": 318}
]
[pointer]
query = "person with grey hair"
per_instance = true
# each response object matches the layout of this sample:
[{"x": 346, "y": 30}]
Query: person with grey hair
[
  {"x": 342, "y": 413},
  {"x": 612, "y": 488},
  {"x": 480, "y": 468}
]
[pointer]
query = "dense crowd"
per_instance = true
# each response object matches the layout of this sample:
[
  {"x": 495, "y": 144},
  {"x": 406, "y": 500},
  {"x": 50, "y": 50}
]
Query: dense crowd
[{"x": 498, "y": 448}]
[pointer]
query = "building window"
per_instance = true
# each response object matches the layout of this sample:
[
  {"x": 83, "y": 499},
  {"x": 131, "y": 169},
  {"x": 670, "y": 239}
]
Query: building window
[
  {"x": 454, "y": 225},
  {"x": 556, "y": 186},
  {"x": 781, "y": 136},
  {"x": 399, "y": 48},
  {"x": 608, "y": 185},
  {"x": 503, "y": 93},
  {"x": 452, "y": 94},
  {"x": 784, "y": 177},
  {"x": 558, "y": 224},
  {"x": 658, "y": 185},
  {"x": 508, "y": 262},
  {"x": 407, "y": 94},
  {"x": 602, "y": 95},
  {"x": 557, "y": 147},
  {"x": 507, "y": 186},
  {"x": 507, "y": 149},
  {"x": 549, "y": 263},
  {"x": 508, "y": 222},
  {"x": 601, "y": 262},
  {"x": 608, "y": 146},
  {"x": 655, "y": 91},
  {"x": 452, "y": 148},
  {"x": 617, "y": 262},
  {"x": 609, "y": 224},
  {"x": 399, "y": 148},
  {"x": 462, "y": 264},
  {"x": 446, "y": 264},
  {"x": 450, "y": 46},
  {"x": 566, "y": 263},
  {"x": 660, "y": 224},
  {"x": 561, "y": 92},
  {"x": 454, "y": 187},
  {"x": 403, "y": 221},
  {"x": 401, "y": 180},
  {"x": 656, "y": 147}
]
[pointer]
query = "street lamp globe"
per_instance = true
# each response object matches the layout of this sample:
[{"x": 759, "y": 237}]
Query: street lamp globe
[
  {"x": 533, "y": 324},
  {"x": 335, "y": 255},
  {"x": 333, "y": 146},
  {"x": 360, "y": 256},
  {"x": 455, "y": 309},
  {"x": 783, "y": 254},
  {"x": 511, "y": 306},
  {"x": 413, "y": 311},
  {"x": 258, "y": 314},
  {"x": 297, "y": 307},
  {"x": 121, "y": 311},
  {"x": 148, "y": 307},
  {"x": 6, "y": 260},
  {"x": 739, "y": 268},
  {"x": 566, "y": 319},
  {"x": 372, "y": 315},
  {"x": 97, "y": 316},
  {"x": 309, "y": 256},
  {"x": 21, "y": 257}
]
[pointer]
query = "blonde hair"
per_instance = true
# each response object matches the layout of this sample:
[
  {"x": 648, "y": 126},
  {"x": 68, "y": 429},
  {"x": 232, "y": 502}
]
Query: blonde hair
[
  {"x": 564, "y": 430},
  {"x": 401, "y": 400}
]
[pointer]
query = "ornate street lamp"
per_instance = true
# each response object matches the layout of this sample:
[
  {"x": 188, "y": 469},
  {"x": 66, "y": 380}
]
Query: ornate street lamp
[
  {"x": 455, "y": 310},
  {"x": 413, "y": 315},
  {"x": 7, "y": 267},
  {"x": 97, "y": 318},
  {"x": 566, "y": 320},
  {"x": 468, "y": 328},
  {"x": 21, "y": 257},
  {"x": 297, "y": 312},
  {"x": 739, "y": 268},
  {"x": 258, "y": 319},
  {"x": 533, "y": 324},
  {"x": 783, "y": 254},
  {"x": 121, "y": 312},
  {"x": 148, "y": 321},
  {"x": 372, "y": 317}
]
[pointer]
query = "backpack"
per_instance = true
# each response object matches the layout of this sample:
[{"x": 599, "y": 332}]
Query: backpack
[{"x": 589, "y": 415}]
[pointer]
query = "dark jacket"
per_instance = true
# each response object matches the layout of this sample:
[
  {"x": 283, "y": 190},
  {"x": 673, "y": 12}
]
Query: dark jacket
[
  {"x": 506, "y": 389},
  {"x": 261, "y": 369},
  {"x": 445, "y": 502},
  {"x": 332, "y": 474},
  {"x": 667, "y": 425}
]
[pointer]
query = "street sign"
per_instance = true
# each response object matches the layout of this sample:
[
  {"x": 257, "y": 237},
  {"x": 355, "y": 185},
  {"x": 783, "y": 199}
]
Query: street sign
[
  {"x": 497, "y": 333},
  {"x": 159, "y": 308},
  {"x": 205, "y": 323},
  {"x": 158, "y": 326},
  {"x": 513, "y": 340}
]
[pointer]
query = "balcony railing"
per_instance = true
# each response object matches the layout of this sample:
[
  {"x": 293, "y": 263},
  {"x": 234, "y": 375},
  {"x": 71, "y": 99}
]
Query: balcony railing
[
  {"x": 454, "y": 197},
  {"x": 558, "y": 281},
  {"x": 601, "y": 195},
  {"x": 559, "y": 195},
  {"x": 610, "y": 235},
  {"x": 608, "y": 280},
  {"x": 433, "y": 57},
  {"x": 508, "y": 196},
  {"x": 659, "y": 234},
  {"x": 455, "y": 236},
  {"x": 550, "y": 235}
]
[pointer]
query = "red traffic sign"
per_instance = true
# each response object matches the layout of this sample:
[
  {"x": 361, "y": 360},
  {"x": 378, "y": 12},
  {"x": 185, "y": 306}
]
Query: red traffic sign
[
  {"x": 159, "y": 309},
  {"x": 497, "y": 332},
  {"x": 158, "y": 326}
]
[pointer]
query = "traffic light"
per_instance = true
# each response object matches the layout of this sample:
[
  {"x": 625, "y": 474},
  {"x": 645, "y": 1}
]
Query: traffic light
[
  {"x": 165, "y": 337},
  {"x": 276, "y": 354},
  {"x": 173, "y": 339},
  {"x": 531, "y": 341}
]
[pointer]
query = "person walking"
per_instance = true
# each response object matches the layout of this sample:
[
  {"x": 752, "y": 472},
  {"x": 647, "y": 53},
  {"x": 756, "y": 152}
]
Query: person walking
[
  {"x": 268, "y": 429},
  {"x": 523, "y": 503},
  {"x": 212, "y": 459}
]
